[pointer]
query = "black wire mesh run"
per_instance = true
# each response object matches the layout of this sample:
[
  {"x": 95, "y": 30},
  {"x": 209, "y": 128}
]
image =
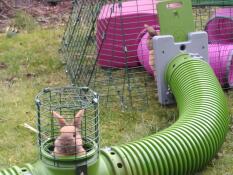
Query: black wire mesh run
[
  {"x": 105, "y": 40},
  {"x": 217, "y": 21},
  {"x": 68, "y": 126},
  {"x": 212, "y": 2},
  {"x": 92, "y": 44}
]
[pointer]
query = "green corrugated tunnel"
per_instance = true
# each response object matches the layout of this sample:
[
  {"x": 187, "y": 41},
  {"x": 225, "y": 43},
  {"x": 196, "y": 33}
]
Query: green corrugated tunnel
[{"x": 185, "y": 147}]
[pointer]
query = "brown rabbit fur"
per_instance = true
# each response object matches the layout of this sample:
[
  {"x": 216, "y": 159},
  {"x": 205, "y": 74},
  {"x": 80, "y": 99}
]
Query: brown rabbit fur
[
  {"x": 152, "y": 32},
  {"x": 69, "y": 142}
]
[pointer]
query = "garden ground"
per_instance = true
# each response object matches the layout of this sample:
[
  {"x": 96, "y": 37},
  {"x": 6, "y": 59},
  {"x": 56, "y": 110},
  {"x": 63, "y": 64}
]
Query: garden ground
[{"x": 29, "y": 62}]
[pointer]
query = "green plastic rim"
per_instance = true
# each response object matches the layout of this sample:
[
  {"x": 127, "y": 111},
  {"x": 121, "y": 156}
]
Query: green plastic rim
[{"x": 47, "y": 146}]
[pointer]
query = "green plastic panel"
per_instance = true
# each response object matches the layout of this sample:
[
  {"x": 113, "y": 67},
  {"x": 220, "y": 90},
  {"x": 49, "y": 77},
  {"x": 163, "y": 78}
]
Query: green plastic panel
[{"x": 176, "y": 18}]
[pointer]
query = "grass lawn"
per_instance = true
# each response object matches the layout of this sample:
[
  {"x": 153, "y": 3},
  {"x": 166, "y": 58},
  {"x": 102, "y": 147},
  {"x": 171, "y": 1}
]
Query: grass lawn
[{"x": 29, "y": 63}]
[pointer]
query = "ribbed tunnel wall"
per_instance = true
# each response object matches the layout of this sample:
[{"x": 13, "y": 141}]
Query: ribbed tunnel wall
[{"x": 189, "y": 144}]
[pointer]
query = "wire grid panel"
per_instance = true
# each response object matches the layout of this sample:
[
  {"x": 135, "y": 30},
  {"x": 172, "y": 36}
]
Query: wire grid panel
[
  {"x": 217, "y": 21},
  {"x": 212, "y": 2},
  {"x": 106, "y": 47},
  {"x": 64, "y": 134},
  {"x": 100, "y": 49}
]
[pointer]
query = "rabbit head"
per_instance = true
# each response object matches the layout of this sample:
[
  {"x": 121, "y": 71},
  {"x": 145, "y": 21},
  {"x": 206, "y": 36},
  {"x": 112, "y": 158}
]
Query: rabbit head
[
  {"x": 69, "y": 142},
  {"x": 151, "y": 33}
]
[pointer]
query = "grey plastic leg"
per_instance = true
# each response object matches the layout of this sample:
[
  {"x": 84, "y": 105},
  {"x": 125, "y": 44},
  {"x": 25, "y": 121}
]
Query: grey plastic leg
[{"x": 166, "y": 49}]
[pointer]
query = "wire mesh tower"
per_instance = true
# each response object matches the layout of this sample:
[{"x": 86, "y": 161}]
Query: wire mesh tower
[
  {"x": 68, "y": 126},
  {"x": 104, "y": 47}
]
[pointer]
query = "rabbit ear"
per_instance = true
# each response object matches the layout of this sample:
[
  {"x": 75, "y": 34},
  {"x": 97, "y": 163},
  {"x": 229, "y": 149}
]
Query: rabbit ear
[
  {"x": 61, "y": 120},
  {"x": 78, "y": 118},
  {"x": 152, "y": 32}
]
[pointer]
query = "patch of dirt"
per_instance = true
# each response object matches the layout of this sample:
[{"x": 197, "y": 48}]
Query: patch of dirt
[
  {"x": 30, "y": 75},
  {"x": 3, "y": 65},
  {"x": 45, "y": 13}
]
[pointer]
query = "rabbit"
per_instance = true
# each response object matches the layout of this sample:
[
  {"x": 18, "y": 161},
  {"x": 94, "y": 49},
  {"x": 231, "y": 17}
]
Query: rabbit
[
  {"x": 152, "y": 32},
  {"x": 69, "y": 142}
]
